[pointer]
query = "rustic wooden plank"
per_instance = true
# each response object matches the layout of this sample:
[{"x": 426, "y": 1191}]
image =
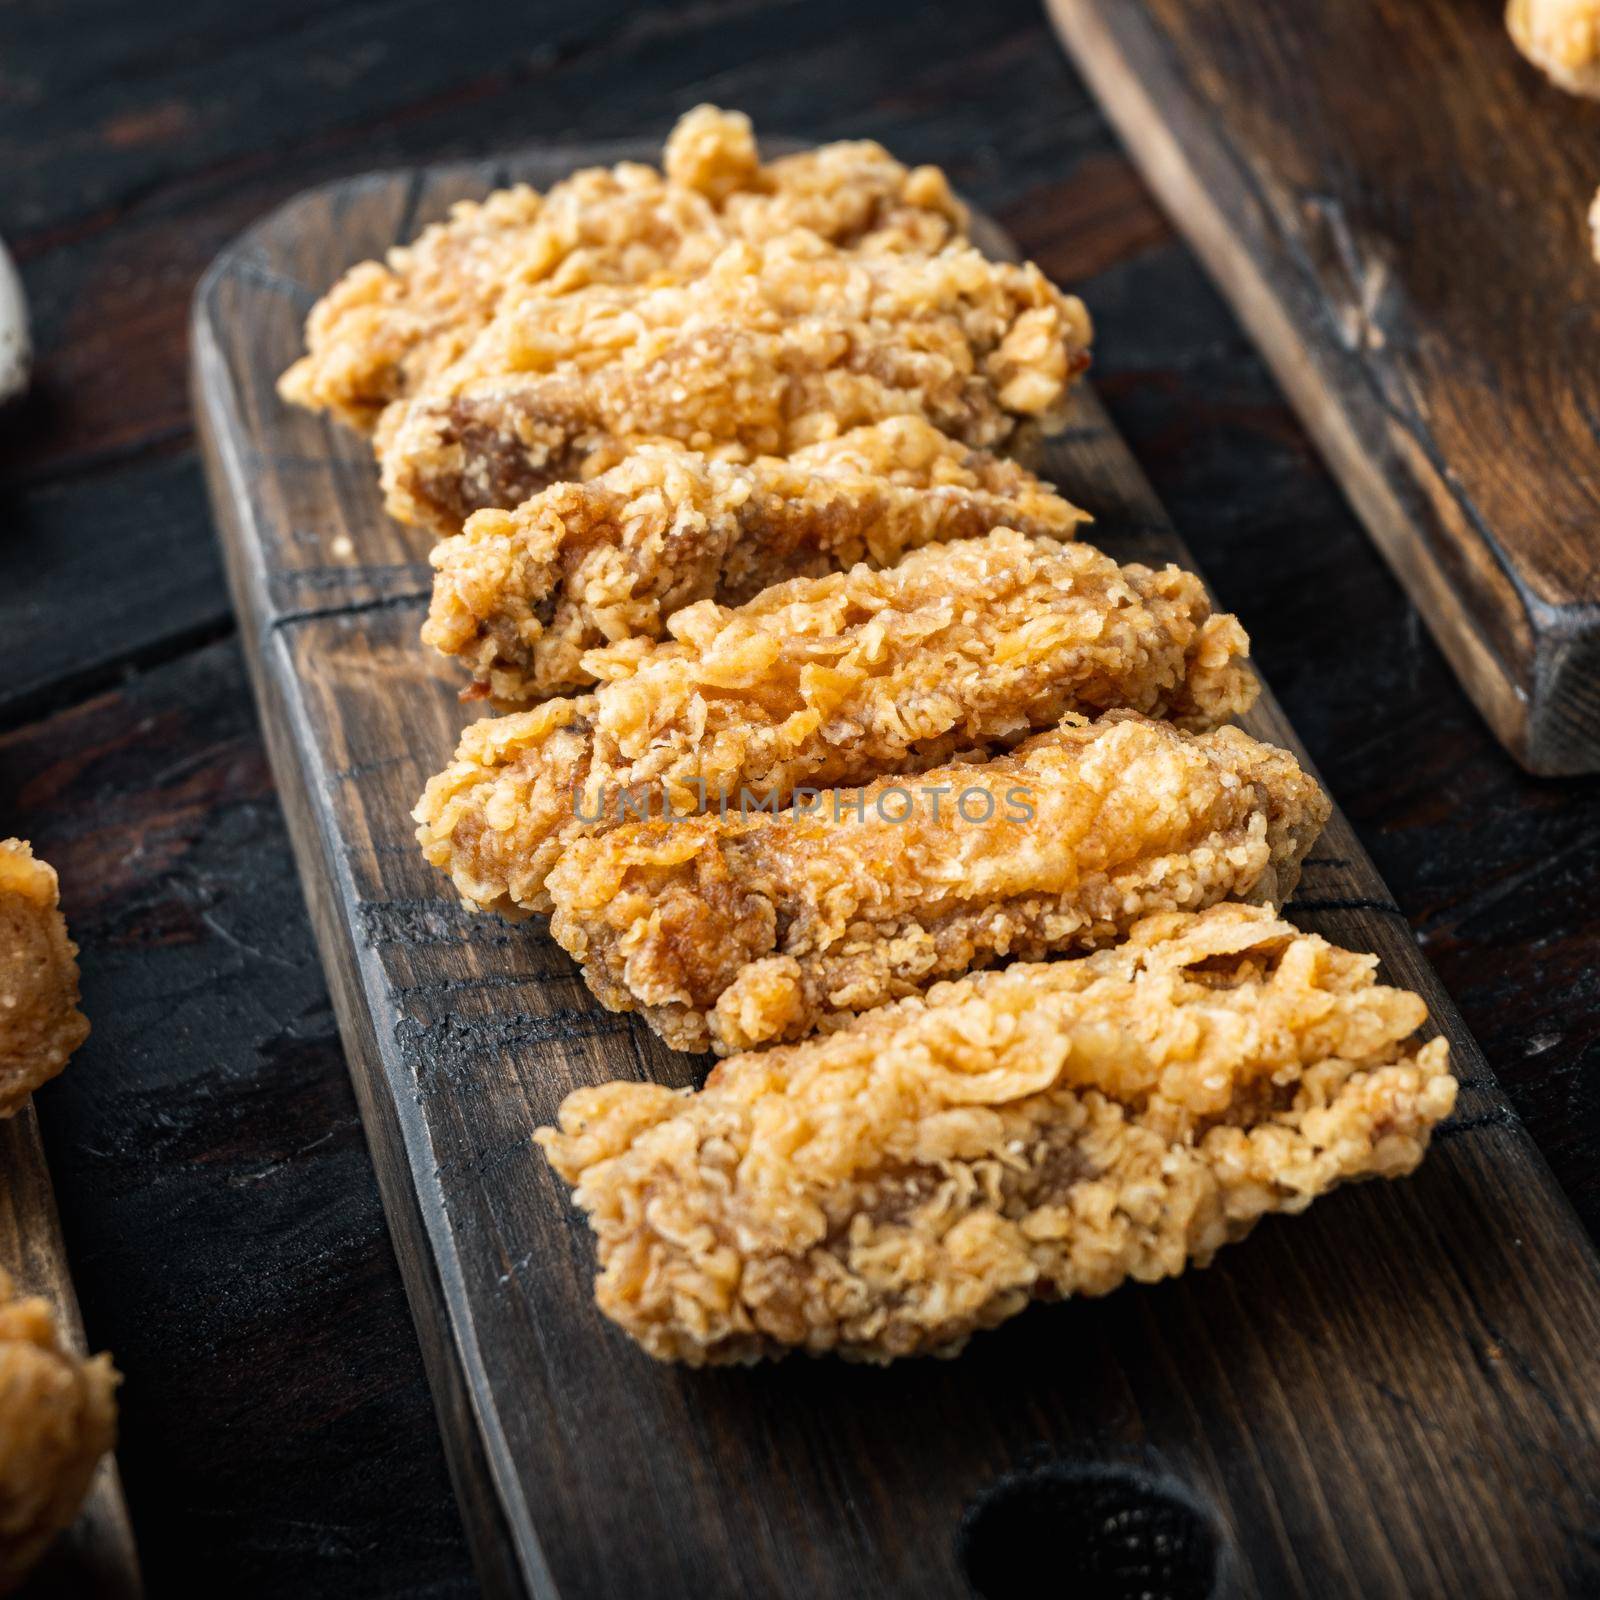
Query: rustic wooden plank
[
  {"x": 1394, "y": 1394},
  {"x": 95, "y": 1559},
  {"x": 1394, "y": 204}
]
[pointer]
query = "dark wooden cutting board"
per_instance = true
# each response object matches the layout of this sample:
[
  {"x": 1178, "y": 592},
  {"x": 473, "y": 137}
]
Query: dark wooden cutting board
[
  {"x": 1398, "y": 1393},
  {"x": 1394, "y": 202}
]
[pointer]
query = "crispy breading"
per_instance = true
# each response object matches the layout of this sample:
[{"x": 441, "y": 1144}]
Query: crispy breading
[
  {"x": 1049, "y": 1130},
  {"x": 733, "y": 931},
  {"x": 1561, "y": 38},
  {"x": 852, "y": 192},
  {"x": 963, "y": 647},
  {"x": 386, "y": 327},
  {"x": 774, "y": 347},
  {"x": 40, "y": 1024},
  {"x": 498, "y": 817},
  {"x": 521, "y": 595},
  {"x": 58, "y": 1416}
]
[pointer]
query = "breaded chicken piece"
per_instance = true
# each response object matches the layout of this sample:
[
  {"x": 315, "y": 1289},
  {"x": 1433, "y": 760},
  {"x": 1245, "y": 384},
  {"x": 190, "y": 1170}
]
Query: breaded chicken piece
[
  {"x": 964, "y": 647},
  {"x": 773, "y": 348},
  {"x": 40, "y": 1024},
  {"x": 935, "y": 1165},
  {"x": 58, "y": 1416},
  {"x": 729, "y": 932},
  {"x": 521, "y": 595},
  {"x": 1561, "y": 38},
  {"x": 386, "y": 327}
]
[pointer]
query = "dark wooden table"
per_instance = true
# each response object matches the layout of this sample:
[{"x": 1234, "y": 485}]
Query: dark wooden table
[{"x": 216, "y": 1192}]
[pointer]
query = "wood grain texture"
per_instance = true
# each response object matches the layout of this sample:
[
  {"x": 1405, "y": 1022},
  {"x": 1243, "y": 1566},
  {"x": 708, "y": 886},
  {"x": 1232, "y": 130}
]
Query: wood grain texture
[
  {"x": 95, "y": 1558},
  {"x": 1395, "y": 204},
  {"x": 1394, "y": 1394}
]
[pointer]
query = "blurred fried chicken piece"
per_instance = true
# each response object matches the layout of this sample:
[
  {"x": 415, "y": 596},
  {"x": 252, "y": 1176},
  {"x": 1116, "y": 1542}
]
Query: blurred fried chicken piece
[
  {"x": 773, "y": 348},
  {"x": 58, "y": 1416},
  {"x": 40, "y": 1024},
  {"x": 962, "y": 647},
  {"x": 1561, "y": 38},
  {"x": 928, "y": 1170},
  {"x": 733, "y": 931},
  {"x": 385, "y": 328},
  {"x": 521, "y": 595}
]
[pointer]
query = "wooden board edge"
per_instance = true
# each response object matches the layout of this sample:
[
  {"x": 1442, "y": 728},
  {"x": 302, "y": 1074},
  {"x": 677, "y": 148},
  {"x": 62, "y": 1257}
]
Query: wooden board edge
[
  {"x": 1567, "y": 687},
  {"x": 478, "y": 1495},
  {"x": 96, "y": 1558},
  {"x": 1525, "y": 704}
]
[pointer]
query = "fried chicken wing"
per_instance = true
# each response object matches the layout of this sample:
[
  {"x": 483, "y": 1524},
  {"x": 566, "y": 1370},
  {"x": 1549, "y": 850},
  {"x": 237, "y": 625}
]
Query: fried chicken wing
[
  {"x": 734, "y": 931},
  {"x": 1049, "y": 1130},
  {"x": 774, "y": 347},
  {"x": 40, "y": 1024},
  {"x": 521, "y": 595},
  {"x": 961, "y": 647},
  {"x": 1561, "y": 38},
  {"x": 58, "y": 1416},
  {"x": 386, "y": 327}
]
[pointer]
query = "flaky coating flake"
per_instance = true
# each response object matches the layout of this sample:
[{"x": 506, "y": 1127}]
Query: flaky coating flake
[
  {"x": 40, "y": 1024},
  {"x": 852, "y": 192},
  {"x": 961, "y": 647},
  {"x": 1561, "y": 38},
  {"x": 1044, "y": 1131},
  {"x": 774, "y": 347},
  {"x": 521, "y": 595},
  {"x": 386, "y": 327},
  {"x": 58, "y": 1416},
  {"x": 730, "y": 932}
]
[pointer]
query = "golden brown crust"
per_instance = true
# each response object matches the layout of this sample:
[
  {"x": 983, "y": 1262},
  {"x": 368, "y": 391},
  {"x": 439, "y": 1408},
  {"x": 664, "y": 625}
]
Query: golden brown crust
[
  {"x": 961, "y": 647},
  {"x": 774, "y": 347},
  {"x": 730, "y": 932},
  {"x": 58, "y": 1416},
  {"x": 521, "y": 595},
  {"x": 932, "y": 1167},
  {"x": 852, "y": 193},
  {"x": 40, "y": 1024},
  {"x": 386, "y": 327},
  {"x": 1561, "y": 38},
  {"x": 498, "y": 817}
]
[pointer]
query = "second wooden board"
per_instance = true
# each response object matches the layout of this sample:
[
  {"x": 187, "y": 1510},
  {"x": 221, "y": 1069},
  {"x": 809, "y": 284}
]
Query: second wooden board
[
  {"x": 1395, "y": 203},
  {"x": 95, "y": 1558},
  {"x": 1395, "y": 1394}
]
